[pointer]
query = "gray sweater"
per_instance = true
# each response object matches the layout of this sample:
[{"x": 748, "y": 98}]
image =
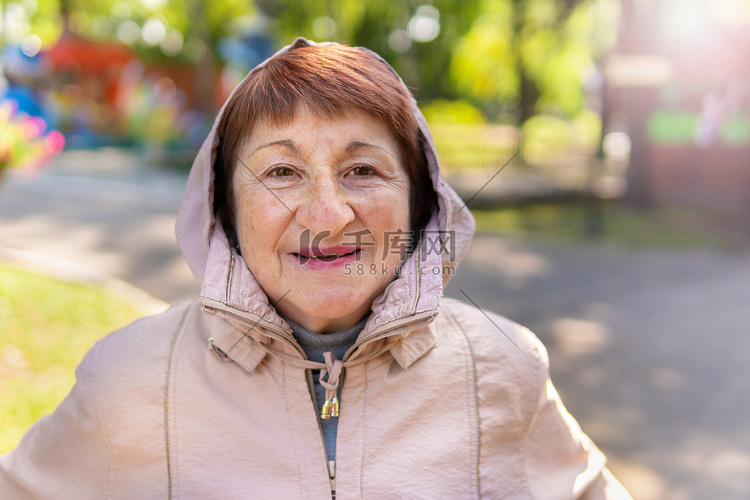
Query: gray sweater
[{"x": 314, "y": 345}]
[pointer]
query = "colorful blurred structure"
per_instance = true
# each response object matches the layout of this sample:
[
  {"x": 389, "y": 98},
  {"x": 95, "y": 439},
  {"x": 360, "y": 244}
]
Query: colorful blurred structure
[
  {"x": 679, "y": 86},
  {"x": 84, "y": 85},
  {"x": 93, "y": 57},
  {"x": 139, "y": 83},
  {"x": 25, "y": 138}
]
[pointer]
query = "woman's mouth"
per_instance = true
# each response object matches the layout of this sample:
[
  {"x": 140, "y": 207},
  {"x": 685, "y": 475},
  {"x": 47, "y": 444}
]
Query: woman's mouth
[{"x": 327, "y": 258}]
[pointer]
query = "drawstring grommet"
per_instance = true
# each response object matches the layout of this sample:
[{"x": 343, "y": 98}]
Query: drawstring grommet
[
  {"x": 329, "y": 379},
  {"x": 325, "y": 412},
  {"x": 334, "y": 407}
]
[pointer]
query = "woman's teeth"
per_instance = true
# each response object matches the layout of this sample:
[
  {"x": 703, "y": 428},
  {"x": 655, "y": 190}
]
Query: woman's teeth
[
  {"x": 332, "y": 256},
  {"x": 326, "y": 258}
]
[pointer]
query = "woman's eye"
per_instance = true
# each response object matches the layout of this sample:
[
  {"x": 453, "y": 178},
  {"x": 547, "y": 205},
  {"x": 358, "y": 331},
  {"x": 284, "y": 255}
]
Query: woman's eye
[
  {"x": 281, "y": 172},
  {"x": 363, "y": 170}
]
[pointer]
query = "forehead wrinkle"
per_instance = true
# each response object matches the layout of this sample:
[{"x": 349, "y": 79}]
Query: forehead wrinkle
[
  {"x": 355, "y": 145},
  {"x": 288, "y": 143}
]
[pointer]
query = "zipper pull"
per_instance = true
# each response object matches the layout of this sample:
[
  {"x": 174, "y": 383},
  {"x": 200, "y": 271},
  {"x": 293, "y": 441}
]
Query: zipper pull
[
  {"x": 325, "y": 412},
  {"x": 332, "y": 477},
  {"x": 334, "y": 407}
]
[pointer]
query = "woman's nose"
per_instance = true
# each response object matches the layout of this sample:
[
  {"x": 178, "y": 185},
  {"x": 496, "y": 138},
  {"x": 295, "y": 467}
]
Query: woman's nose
[{"x": 326, "y": 208}]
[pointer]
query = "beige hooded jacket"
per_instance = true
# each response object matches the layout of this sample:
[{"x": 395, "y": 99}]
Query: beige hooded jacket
[{"x": 211, "y": 399}]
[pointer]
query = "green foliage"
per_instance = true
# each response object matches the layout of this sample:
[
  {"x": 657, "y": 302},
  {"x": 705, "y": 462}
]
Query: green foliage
[
  {"x": 681, "y": 127},
  {"x": 424, "y": 66},
  {"x": 464, "y": 140},
  {"x": 458, "y": 112},
  {"x": 46, "y": 326},
  {"x": 672, "y": 127},
  {"x": 587, "y": 128},
  {"x": 196, "y": 21},
  {"x": 221, "y": 18},
  {"x": 44, "y": 20},
  {"x": 546, "y": 136},
  {"x": 484, "y": 65},
  {"x": 474, "y": 147},
  {"x": 531, "y": 53}
]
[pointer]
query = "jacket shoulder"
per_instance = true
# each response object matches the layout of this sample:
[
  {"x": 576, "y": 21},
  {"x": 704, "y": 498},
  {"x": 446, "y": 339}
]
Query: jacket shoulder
[
  {"x": 136, "y": 350},
  {"x": 122, "y": 378},
  {"x": 525, "y": 429},
  {"x": 509, "y": 363},
  {"x": 494, "y": 338}
]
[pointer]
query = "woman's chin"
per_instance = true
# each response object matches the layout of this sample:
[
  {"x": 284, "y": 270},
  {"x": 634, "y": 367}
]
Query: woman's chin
[
  {"x": 336, "y": 300},
  {"x": 327, "y": 314}
]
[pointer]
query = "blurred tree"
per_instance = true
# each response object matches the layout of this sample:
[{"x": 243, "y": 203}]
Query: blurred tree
[
  {"x": 522, "y": 56},
  {"x": 519, "y": 56},
  {"x": 21, "y": 19},
  {"x": 157, "y": 29},
  {"x": 416, "y": 39},
  {"x": 531, "y": 55}
]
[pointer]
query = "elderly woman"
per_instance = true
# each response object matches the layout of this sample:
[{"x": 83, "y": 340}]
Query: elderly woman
[{"x": 321, "y": 359}]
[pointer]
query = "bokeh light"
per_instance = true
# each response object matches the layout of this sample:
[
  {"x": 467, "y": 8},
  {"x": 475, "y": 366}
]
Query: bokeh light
[
  {"x": 399, "y": 41},
  {"x": 31, "y": 45},
  {"x": 171, "y": 44},
  {"x": 617, "y": 145},
  {"x": 153, "y": 31},
  {"x": 424, "y": 26},
  {"x": 324, "y": 27},
  {"x": 128, "y": 32}
]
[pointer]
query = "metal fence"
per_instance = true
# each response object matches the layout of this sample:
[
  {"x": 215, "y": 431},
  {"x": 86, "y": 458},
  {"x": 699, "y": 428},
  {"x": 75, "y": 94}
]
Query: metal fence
[{"x": 483, "y": 164}]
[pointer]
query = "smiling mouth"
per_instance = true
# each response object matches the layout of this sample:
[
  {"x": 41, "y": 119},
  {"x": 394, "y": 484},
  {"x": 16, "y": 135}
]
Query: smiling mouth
[{"x": 325, "y": 257}]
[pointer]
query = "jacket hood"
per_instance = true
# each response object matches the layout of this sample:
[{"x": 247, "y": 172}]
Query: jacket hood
[{"x": 229, "y": 289}]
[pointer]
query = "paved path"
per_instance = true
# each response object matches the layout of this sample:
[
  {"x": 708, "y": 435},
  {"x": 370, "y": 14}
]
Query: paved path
[
  {"x": 648, "y": 349},
  {"x": 105, "y": 212}
]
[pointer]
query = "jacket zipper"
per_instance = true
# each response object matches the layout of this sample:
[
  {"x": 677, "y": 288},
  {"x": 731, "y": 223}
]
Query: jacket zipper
[
  {"x": 279, "y": 334},
  {"x": 238, "y": 315},
  {"x": 331, "y": 463},
  {"x": 332, "y": 477}
]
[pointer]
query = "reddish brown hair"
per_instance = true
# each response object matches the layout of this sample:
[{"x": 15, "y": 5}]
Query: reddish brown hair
[{"x": 330, "y": 80}]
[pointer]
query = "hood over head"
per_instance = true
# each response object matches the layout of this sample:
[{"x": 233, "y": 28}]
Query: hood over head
[{"x": 229, "y": 289}]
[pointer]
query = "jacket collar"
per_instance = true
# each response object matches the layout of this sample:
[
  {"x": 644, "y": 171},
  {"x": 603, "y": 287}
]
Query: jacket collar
[{"x": 405, "y": 307}]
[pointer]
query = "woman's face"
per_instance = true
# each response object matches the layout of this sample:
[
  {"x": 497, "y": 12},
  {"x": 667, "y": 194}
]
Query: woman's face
[{"x": 320, "y": 204}]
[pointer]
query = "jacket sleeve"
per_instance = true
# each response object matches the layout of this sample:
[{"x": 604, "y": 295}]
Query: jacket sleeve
[
  {"x": 561, "y": 461},
  {"x": 63, "y": 455}
]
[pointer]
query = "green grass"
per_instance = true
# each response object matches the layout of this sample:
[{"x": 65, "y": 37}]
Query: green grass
[
  {"x": 46, "y": 326},
  {"x": 620, "y": 227}
]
